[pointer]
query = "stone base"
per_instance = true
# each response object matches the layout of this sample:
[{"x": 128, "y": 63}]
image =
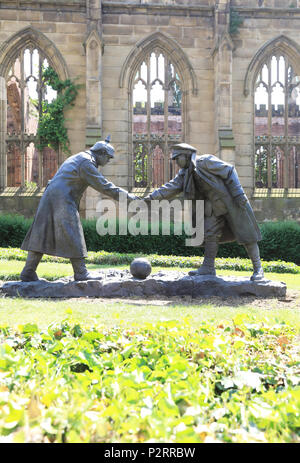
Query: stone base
[{"x": 115, "y": 283}]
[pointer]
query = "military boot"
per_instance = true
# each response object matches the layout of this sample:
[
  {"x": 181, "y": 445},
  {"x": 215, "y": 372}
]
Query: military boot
[
  {"x": 253, "y": 252},
  {"x": 80, "y": 271},
  {"x": 208, "y": 264},
  {"x": 29, "y": 271}
]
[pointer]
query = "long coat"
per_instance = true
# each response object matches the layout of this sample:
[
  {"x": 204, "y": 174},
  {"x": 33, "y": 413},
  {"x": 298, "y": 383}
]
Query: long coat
[
  {"x": 56, "y": 229},
  {"x": 217, "y": 183}
]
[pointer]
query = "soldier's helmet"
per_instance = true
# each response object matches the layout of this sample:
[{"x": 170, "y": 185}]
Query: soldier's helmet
[
  {"x": 182, "y": 148},
  {"x": 104, "y": 145}
]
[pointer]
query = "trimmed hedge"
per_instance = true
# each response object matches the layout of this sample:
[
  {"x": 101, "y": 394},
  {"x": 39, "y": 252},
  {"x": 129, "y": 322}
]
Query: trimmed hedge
[
  {"x": 13, "y": 229},
  {"x": 281, "y": 241},
  {"x": 116, "y": 258}
]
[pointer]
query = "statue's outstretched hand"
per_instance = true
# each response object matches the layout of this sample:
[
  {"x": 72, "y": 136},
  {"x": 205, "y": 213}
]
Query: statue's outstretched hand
[
  {"x": 133, "y": 197},
  {"x": 241, "y": 201}
]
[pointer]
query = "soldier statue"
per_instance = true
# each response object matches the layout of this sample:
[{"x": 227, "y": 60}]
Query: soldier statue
[
  {"x": 228, "y": 215},
  {"x": 56, "y": 229}
]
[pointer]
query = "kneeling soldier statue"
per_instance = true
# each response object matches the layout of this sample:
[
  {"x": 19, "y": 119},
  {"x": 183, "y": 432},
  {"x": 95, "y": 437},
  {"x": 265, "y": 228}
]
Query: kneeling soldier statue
[
  {"x": 228, "y": 215},
  {"x": 56, "y": 229}
]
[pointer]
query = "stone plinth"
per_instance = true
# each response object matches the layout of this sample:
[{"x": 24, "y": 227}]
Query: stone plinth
[{"x": 116, "y": 283}]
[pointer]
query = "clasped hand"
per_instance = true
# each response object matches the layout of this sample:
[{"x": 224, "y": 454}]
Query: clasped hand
[{"x": 133, "y": 197}]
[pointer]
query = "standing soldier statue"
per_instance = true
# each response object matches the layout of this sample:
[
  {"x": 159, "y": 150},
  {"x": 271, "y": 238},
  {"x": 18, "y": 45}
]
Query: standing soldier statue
[
  {"x": 56, "y": 229},
  {"x": 228, "y": 215}
]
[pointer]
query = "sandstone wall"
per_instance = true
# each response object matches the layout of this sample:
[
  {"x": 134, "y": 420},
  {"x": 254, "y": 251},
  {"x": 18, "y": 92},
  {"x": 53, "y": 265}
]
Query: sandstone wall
[
  {"x": 100, "y": 43},
  {"x": 67, "y": 30},
  {"x": 259, "y": 27}
]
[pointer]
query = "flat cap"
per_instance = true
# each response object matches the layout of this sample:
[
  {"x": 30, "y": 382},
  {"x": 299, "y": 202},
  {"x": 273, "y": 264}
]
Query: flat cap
[
  {"x": 180, "y": 148},
  {"x": 104, "y": 145}
]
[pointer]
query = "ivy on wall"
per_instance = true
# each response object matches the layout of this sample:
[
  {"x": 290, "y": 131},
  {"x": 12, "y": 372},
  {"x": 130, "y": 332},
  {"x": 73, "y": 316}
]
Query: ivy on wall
[
  {"x": 51, "y": 129},
  {"x": 235, "y": 22}
]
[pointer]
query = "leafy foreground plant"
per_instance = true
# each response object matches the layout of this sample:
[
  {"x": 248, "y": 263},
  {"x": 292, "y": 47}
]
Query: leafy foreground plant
[{"x": 170, "y": 382}]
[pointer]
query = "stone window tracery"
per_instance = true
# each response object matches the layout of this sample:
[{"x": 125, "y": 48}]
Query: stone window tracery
[
  {"x": 277, "y": 124},
  {"x": 25, "y": 165},
  {"x": 157, "y": 122}
]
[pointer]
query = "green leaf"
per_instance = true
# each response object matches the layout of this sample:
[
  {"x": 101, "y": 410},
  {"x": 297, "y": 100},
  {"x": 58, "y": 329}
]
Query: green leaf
[
  {"x": 77, "y": 331},
  {"x": 29, "y": 328},
  {"x": 57, "y": 347},
  {"x": 128, "y": 351}
]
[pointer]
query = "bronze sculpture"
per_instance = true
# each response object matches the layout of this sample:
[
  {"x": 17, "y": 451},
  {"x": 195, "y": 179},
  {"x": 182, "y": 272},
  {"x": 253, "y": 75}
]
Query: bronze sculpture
[
  {"x": 56, "y": 229},
  {"x": 228, "y": 215}
]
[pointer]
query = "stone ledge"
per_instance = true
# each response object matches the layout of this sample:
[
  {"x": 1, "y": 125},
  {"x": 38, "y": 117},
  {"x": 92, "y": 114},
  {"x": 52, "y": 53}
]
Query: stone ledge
[
  {"x": 157, "y": 8},
  {"x": 116, "y": 283}
]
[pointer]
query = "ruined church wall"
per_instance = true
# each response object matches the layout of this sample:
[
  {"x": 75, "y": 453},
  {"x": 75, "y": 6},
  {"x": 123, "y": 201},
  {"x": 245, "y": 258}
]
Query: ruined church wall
[
  {"x": 122, "y": 29},
  {"x": 260, "y": 26},
  {"x": 124, "y": 26},
  {"x": 67, "y": 31}
]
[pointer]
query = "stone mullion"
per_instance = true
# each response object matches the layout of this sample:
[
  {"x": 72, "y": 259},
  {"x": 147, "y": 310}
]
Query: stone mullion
[
  {"x": 166, "y": 128},
  {"x": 260, "y": 168},
  {"x": 3, "y": 132},
  {"x": 183, "y": 109},
  {"x": 286, "y": 135},
  {"x": 149, "y": 157},
  {"x": 269, "y": 159},
  {"x": 132, "y": 143},
  {"x": 40, "y": 97},
  {"x": 22, "y": 143},
  {"x": 257, "y": 158},
  {"x": 297, "y": 167}
]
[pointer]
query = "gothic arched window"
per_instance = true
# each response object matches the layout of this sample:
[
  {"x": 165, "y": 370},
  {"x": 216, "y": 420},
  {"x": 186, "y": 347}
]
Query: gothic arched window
[
  {"x": 156, "y": 120},
  {"x": 277, "y": 124},
  {"x": 25, "y": 165}
]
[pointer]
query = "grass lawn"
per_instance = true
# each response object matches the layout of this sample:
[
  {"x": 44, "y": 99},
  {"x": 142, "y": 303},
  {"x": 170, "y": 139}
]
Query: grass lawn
[{"x": 110, "y": 312}]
